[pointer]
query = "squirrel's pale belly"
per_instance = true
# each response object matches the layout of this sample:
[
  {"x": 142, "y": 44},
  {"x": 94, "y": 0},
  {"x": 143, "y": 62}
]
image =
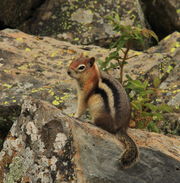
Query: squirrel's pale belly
[{"x": 109, "y": 99}]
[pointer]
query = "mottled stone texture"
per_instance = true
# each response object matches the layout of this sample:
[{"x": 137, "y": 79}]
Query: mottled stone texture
[
  {"x": 85, "y": 21},
  {"x": 82, "y": 21},
  {"x": 37, "y": 67},
  {"x": 46, "y": 146},
  {"x": 39, "y": 146}
]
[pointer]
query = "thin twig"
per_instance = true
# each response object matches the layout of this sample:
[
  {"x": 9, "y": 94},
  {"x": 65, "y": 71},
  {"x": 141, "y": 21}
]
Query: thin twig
[
  {"x": 119, "y": 62},
  {"x": 120, "y": 58},
  {"x": 122, "y": 50},
  {"x": 123, "y": 62},
  {"x": 131, "y": 57}
]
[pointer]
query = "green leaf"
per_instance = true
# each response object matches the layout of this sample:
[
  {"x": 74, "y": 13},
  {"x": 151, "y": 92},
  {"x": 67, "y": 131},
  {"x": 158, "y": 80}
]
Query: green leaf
[
  {"x": 137, "y": 84},
  {"x": 103, "y": 64},
  {"x": 145, "y": 114},
  {"x": 164, "y": 108},
  {"x": 152, "y": 127},
  {"x": 117, "y": 17},
  {"x": 146, "y": 92},
  {"x": 157, "y": 116},
  {"x": 114, "y": 45},
  {"x": 145, "y": 84},
  {"x": 113, "y": 55},
  {"x": 113, "y": 66},
  {"x": 152, "y": 107},
  {"x": 136, "y": 105},
  {"x": 140, "y": 124},
  {"x": 129, "y": 77},
  {"x": 120, "y": 44}
]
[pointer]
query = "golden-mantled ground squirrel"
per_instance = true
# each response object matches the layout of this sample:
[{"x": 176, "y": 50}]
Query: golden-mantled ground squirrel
[{"x": 107, "y": 102}]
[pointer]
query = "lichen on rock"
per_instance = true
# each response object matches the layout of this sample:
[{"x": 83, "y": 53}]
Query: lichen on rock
[{"x": 69, "y": 151}]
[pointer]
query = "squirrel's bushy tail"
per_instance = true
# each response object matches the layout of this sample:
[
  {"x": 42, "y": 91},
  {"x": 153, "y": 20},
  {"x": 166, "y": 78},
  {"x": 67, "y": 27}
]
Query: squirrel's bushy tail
[{"x": 131, "y": 153}]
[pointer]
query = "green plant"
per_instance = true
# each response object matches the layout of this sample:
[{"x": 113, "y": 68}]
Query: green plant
[
  {"x": 146, "y": 111},
  {"x": 127, "y": 34}
]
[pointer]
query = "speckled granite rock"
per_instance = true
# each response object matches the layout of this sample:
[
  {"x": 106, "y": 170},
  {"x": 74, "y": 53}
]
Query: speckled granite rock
[
  {"x": 36, "y": 66},
  {"x": 46, "y": 146},
  {"x": 82, "y": 22}
]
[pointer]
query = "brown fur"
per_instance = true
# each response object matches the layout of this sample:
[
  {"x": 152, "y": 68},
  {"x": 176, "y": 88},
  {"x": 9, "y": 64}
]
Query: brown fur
[{"x": 116, "y": 118}]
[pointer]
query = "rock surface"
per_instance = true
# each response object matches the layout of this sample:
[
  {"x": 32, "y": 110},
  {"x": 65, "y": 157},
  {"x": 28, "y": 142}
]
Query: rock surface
[
  {"x": 36, "y": 66},
  {"x": 83, "y": 22},
  {"x": 80, "y": 152}
]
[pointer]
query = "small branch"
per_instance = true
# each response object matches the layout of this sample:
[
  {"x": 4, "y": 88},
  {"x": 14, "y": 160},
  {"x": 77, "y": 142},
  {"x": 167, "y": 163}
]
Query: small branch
[
  {"x": 123, "y": 62},
  {"x": 122, "y": 50},
  {"x": 119, "y": 62},
  {"x": 121, "y": 58},
  {"x": 131, "y": 57}
]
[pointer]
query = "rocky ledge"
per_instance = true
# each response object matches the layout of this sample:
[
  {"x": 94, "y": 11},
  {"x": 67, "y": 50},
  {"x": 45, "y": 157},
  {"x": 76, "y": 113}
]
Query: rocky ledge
[{"x": 44, "y": 145}]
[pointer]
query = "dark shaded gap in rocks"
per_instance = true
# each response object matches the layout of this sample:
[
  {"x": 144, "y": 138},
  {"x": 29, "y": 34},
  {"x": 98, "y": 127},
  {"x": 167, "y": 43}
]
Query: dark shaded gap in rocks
[
  {"x": 8, "y": 114},
  {"x": 32, "y": 10},
  {"x": 3, "y": 26},
  {"x": 161, "y": 16}
]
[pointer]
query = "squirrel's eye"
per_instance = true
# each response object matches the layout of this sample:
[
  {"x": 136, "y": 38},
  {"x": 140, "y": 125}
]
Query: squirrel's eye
[{"x": 81, "y": 67}]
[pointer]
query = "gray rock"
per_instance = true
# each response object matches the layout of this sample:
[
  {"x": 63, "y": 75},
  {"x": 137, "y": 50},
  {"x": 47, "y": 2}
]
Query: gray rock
[
  {"x": 83, "y": 22},
  {"x": 44, "y": 145},
  {"x": 36, "y": 66},
  {"x": 175, "y": 101}
]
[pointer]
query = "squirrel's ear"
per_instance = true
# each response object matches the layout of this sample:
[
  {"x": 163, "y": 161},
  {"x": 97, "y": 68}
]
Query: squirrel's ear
[{"x": 91, "y": 61}]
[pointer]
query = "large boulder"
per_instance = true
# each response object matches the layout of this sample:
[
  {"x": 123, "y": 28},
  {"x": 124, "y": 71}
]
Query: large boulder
[
  {"x": 170, "y": 47},
  {"x": 46, "y": 146},
  {"x": 83, "y": 22},
  {"x": 36, "y": 66}
]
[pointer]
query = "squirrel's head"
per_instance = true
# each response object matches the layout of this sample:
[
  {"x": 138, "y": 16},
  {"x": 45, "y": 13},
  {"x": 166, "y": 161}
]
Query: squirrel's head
[{"x": 81, "y": 67}]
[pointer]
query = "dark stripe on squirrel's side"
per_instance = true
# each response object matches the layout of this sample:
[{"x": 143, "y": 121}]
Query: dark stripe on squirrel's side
[
  {"x": 115, "y": 92},
  {"x": 103, "y": 94}
]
